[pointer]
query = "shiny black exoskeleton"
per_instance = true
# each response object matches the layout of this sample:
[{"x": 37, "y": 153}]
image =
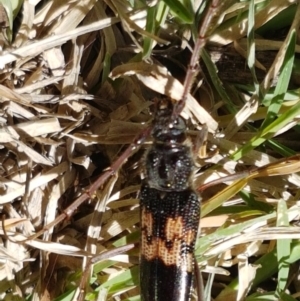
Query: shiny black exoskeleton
[{"x": 170, "y": 211}]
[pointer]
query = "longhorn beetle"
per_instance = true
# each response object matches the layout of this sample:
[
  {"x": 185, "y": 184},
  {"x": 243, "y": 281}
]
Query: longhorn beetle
[
  {"x": 170, "y": 212},
  {"x": 170, "y": 208}
]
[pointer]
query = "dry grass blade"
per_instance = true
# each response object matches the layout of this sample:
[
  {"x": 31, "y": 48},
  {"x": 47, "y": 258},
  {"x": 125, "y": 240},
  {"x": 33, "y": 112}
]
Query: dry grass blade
[
  {"x": 158, "y": 79},
  {"x": 34, "y": 49}
]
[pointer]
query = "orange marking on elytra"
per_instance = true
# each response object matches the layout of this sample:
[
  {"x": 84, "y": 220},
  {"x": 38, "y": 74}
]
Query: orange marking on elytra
[{"x": 168, "y": 249}]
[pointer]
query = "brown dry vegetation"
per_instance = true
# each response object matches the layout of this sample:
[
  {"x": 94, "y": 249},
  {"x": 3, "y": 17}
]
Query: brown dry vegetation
[{"x": 72, "y": 94}]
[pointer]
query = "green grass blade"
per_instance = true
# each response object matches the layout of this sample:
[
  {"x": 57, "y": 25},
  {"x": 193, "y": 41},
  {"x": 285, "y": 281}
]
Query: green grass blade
[
  {"x": 221, "y": 197},
  {"x": 283, "y": 248},
  {"x": 269, "y": 266},
  {"x": 106, "y": 67},
  {"x": 268, "y": 132},
  {"x": 181, "y": 11},
  {"x": 252, "y": 203},
  {"x": 280, "y": 148},
  {"x": 150, "y": 27},
  {"x": 283, "y": 81},
  {"x": 67, "y": 296},
  {"x": 213, "y": 73},
  {"x": 279, "y": 21},
  {"x": 285, "y": 297},
  {"x": 251, "y": 44},
  {"x": 127, "y": 278},
  {"x": 204, "y": 243}
]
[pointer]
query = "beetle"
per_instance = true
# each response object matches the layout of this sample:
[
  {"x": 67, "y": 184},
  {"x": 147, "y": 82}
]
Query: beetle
[{"x": 169, "y": 211}]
